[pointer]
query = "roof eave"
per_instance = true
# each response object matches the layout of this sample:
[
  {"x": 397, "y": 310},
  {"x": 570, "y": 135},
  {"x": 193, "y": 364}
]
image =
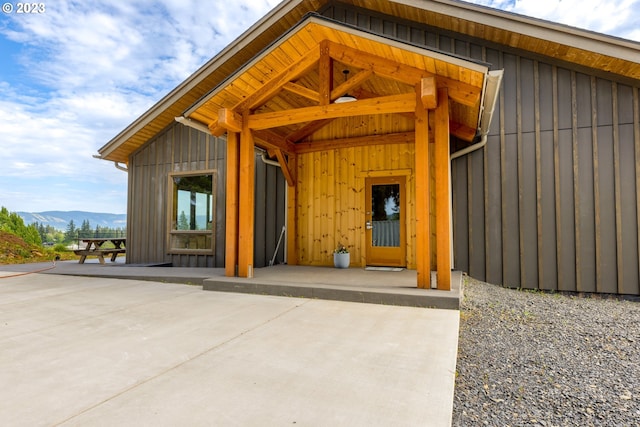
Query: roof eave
[
  {"x": 558, "y": 33},
  {"x": 534, "y": 27},
  {"x": 183, "y": 88}
]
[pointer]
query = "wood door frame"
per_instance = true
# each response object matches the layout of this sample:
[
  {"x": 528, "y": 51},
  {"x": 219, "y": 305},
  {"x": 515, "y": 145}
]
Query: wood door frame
[{"x": 377, "y": 256}]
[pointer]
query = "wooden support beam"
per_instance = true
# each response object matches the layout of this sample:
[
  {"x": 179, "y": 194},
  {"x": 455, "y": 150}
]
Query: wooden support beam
[
  {"x": 351, "y": 84},
  {"x": 358, "y": 141},
  {"x": 423, "y": 232},
  {"x": 458, "y": 130},
  {"x": 325, "y": 74},
  {"x": 273, "y": 86},
  {"x": 231, "y": 214},
  {"x": 229, "y": 120},
  {"x": 292, "y": 220},
  {"x": 443, "y": 188},
  {"x": 302, "y": 91},
  {"x": 270, "y": 141},
  {"x": 246, "y": 202},
  {"x": 308, "y": 129},
  {"x": 462, "y": 93},
  {"x": 288, "y": 173},
  {"x": 383, "y": 105},
  {"x": 461, "y": 131},
  {"x": 216, "y": 130},
  {"x": 383, "y": 67},
  {"x": 429, "y": 92}
]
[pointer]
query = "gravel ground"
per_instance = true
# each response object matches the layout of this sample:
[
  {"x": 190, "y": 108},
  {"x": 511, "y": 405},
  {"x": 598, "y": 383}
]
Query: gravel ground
[{"x": 529, "y": 358}]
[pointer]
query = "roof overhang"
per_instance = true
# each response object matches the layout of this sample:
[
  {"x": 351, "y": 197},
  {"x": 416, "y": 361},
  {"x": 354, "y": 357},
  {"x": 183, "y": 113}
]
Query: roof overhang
[{"x": 606, "y": 54}]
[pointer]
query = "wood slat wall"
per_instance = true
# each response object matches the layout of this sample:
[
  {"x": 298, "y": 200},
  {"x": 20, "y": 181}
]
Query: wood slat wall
[
  {"x": 330, "y": 199},
  {"x": 552, "y": 202},
  {"x": 182, "y": 149}
]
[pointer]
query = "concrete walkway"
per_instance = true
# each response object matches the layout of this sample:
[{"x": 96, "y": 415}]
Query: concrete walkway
[
  {"x": 105, "y": 351},
  {"x": 351, "y": 284}
]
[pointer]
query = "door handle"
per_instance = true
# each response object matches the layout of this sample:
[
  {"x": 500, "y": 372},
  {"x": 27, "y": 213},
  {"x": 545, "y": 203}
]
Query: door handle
[{"x": 368, "y": 225}]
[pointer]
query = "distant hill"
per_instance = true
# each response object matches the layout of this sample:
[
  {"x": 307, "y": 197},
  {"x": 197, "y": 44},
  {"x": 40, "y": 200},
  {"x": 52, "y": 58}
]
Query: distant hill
[{"x": 60, "y": 219}]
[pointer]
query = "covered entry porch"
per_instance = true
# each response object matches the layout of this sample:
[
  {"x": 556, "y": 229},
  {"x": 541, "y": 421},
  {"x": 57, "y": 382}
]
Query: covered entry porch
[{"x": 337, "y": 109}]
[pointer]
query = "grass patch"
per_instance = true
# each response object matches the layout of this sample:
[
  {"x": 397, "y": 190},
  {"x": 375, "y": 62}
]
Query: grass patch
[{"x": 14, "y": 250}]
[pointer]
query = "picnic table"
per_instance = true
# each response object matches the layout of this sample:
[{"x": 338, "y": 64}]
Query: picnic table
[{"x": 95, "y": 247}]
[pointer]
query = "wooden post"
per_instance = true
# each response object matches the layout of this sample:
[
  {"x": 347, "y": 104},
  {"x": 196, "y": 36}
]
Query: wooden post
[
  {"x": 246, "y": 201},
  {"x": 443, "y": 188},
  {"x": 292, "y": 220},
  {"x": 423, "y": 247},
  {"x": 429, "y": 92},
  {"x": 231, "y": 220},
  {"x": 325, "y": 74}
]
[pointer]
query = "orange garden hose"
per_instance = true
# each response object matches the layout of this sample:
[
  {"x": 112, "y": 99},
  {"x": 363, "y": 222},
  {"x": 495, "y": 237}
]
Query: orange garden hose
[{"x": 30, "y": 272}]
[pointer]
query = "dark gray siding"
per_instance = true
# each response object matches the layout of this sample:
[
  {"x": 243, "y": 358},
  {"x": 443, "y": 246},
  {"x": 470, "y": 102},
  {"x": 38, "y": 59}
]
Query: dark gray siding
[
  {"x": 182, "y": 149},
  {"x": 552, "y": 201},
  {"x": 270, "y": 217}
]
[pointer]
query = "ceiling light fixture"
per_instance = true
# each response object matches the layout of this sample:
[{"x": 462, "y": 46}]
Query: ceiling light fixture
[{"x": 346, "y": 97}]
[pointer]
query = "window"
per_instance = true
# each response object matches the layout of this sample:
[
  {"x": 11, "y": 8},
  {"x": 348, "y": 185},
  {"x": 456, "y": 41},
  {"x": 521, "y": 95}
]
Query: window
[{"x": 192, "y": 213}]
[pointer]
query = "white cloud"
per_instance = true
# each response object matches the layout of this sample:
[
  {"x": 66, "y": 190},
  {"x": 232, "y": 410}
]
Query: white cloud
[
  {"x": 88, "y": 69},
  {"x": 620, "y": 18},
  {"x": 148, "y": 45}
]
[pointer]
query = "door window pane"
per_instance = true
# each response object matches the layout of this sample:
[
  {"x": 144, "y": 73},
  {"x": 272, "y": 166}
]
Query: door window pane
[{"x": 385, "y": 213}]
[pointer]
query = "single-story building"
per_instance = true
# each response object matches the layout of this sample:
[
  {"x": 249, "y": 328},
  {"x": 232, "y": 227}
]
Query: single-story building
[{"x": 426, "y": 134}]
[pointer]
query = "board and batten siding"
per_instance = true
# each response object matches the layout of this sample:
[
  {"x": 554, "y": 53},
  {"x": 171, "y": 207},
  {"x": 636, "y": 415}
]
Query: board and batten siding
[
  {"x": 552, "y": 201},
  {"x": 555, "y": 194},
  {"x": 183, "y": 149}
]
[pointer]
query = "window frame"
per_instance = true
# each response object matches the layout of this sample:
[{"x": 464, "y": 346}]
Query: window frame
[{"x": 172, "y": 204}]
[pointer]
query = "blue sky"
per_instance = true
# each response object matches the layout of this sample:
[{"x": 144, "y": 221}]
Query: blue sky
[{"x": 74, "y": 76}]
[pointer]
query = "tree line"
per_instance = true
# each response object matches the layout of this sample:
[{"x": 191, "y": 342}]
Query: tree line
[
  {"x": 85, "y": 230},
  {"x": 39, "y": 234},
  {"x": 13, "y": 223}
]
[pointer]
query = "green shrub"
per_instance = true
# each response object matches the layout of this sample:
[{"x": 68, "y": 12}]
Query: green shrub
[{"x": 60, "y": 247}]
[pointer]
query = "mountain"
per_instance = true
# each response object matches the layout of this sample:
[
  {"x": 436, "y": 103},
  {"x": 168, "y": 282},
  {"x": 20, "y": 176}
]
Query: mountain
[{"x": 60, "y": 219}]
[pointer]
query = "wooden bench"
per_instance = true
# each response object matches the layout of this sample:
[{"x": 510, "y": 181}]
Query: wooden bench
[
  {"x": 94, "y": 247},
  {"x": 100, "y": 253}
]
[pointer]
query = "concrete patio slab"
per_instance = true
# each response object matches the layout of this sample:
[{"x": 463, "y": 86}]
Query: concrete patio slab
[{"x": 105, "y": 351}]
